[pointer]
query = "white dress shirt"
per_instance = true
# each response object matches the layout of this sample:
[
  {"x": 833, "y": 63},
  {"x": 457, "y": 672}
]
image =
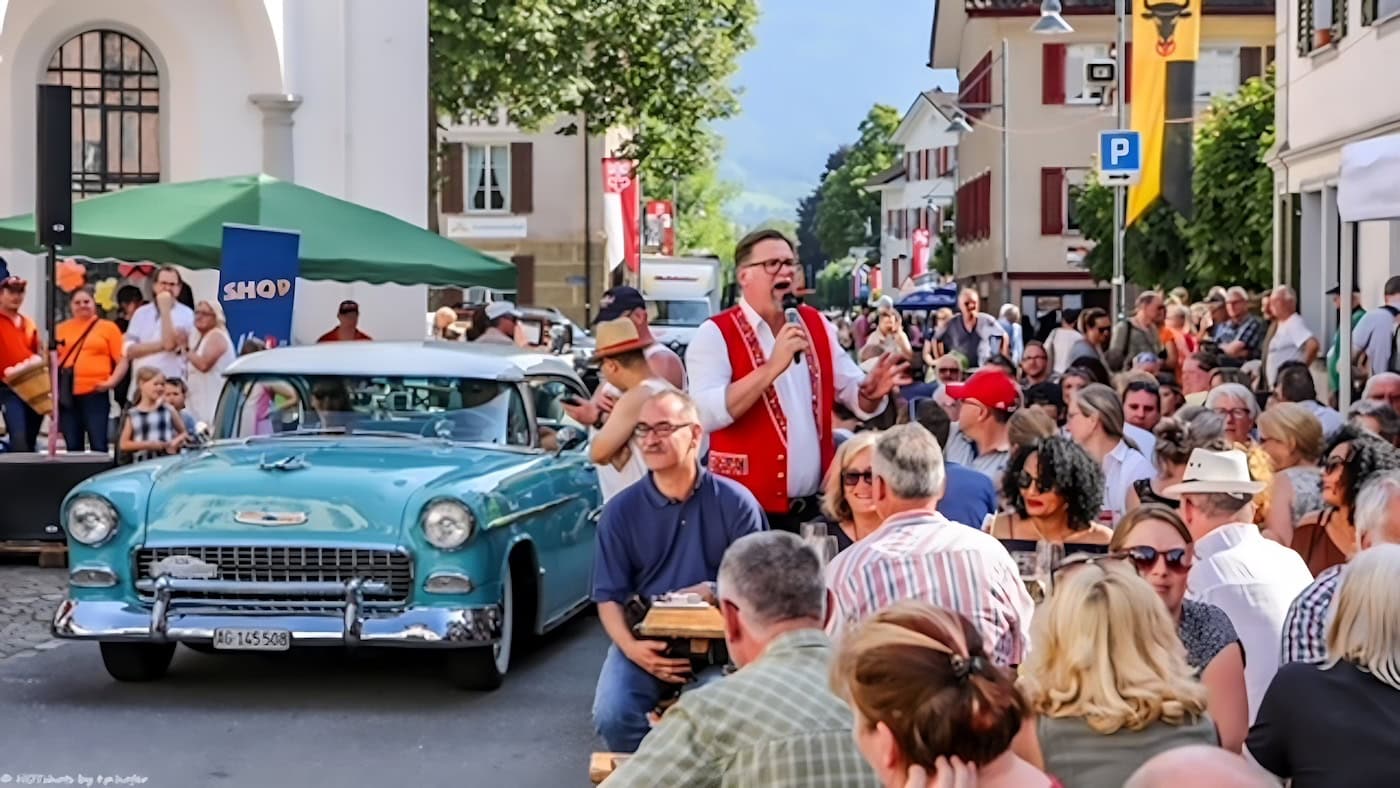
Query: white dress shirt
[
  {"x": 1122, "y": 467},
  {"x": 707, "y": 363},
  {"x": 1253, "y": 580},
  {"x": 145, "y": 327},
  {"x": 1287, "y": 344},
  {"x": 1146, "y": 441}
]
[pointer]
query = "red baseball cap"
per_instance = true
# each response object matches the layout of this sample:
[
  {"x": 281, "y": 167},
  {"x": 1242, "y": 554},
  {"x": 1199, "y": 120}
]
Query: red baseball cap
[{"x": 991, "y": 387}]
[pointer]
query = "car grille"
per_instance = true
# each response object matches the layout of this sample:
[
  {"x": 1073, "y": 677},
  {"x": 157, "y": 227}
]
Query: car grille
[{"x": 289, "y": 564}]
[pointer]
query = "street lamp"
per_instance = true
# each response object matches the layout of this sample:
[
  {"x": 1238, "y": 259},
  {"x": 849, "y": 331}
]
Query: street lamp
[
  {"x": 1051, "y": 22},
  {"x": 959, "y": 125}
]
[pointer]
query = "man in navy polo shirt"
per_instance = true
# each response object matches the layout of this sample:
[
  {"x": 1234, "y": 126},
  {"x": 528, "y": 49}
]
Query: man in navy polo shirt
[{"x": 667, "y": 532}]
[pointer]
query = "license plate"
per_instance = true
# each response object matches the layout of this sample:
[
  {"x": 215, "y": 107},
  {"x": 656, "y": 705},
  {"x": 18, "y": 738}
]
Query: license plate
[{"x": 252, "y": 639}]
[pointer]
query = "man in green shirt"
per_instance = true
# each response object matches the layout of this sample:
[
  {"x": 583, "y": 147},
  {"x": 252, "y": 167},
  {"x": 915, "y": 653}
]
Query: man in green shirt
[
  {"x": 776, "y": 720},
  {"x": 1357, "y": 312}
]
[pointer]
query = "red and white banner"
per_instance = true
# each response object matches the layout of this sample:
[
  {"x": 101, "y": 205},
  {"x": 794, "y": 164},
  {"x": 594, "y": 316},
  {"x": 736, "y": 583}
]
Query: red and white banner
[
  {"x": 621, "y": 205},
  {"x": 874, "y": 278},
  {"x": 920, "y": 263},
  {"x": 660, "y": 235}
]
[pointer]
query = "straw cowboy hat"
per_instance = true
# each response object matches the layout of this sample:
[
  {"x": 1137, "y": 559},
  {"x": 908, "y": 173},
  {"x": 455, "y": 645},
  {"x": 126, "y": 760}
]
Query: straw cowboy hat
[
  {"x": 1217, "y": 472},
  {"x": 615, "y": 337}
]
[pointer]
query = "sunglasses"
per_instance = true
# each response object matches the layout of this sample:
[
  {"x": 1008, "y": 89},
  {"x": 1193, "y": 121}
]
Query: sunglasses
[
  {"x": 349, "y": 311},
  {"x": 1152, "y": 388},
  {"x": 1144, "y": 558},
  {"x": 1025, "y": 480},
  {"x": 1334, "y": 462},
  {"x": 852, "y": 478}
]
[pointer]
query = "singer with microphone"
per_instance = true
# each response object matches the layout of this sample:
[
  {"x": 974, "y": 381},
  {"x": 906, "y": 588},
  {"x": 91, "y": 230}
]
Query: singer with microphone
[{"x": 767, "y": 374}]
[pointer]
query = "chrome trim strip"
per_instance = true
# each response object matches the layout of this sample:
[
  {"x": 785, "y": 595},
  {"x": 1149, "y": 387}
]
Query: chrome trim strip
[
  {"x": 564, "y": 617},
  {"x": 524, "y": 514},
  {"x": 328, "y": 588},
  {"x": 81, "y": 577},
  {"x": 460, "y": 577},
  {"x": 595, "y": 515}
]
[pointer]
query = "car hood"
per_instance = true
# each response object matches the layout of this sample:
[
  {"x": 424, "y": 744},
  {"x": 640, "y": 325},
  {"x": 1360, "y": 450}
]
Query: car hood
[{"x": 354, "y": 489}]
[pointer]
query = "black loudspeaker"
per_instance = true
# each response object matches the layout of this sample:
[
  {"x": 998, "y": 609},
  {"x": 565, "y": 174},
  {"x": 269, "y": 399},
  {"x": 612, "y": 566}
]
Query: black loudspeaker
[{"x": 53, "y": 193}]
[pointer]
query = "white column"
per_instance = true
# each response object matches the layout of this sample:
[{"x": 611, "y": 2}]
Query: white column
[{"x": 278, "y": 149}]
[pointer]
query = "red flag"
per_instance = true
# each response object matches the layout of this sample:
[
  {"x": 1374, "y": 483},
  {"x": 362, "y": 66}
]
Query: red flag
[
  {"x": 920, "y": 263},
  {"x": 661, "y": 227},
  {"x": 621, "y": 204}
]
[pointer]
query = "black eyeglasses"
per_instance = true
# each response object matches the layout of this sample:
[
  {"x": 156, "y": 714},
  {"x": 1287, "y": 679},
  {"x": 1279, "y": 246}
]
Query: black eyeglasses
[
  {"x": 1144, "y": 558},
  {"x": 1233, "y": 413},
  {"x": 662, "y": 429},
  {"x": 852, "y": 478},
  {"x": 1025, "y": 480},
  {"x": 773, "y": 266}
]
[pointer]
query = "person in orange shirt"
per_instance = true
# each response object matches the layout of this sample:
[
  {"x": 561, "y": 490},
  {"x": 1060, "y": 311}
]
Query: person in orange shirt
[
  {"x": 19, "y": 340},
  {"x": 93, "y": 348}
]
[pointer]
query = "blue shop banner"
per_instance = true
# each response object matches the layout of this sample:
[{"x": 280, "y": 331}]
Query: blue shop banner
[{"x": 258, "y": 283}]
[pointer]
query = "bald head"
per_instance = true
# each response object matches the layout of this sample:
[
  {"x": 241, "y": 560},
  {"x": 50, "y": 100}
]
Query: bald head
[{"x": 1199, "y": 766}]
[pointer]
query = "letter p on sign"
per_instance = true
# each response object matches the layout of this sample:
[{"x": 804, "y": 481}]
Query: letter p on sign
[{"x": 1120, "y": 157}]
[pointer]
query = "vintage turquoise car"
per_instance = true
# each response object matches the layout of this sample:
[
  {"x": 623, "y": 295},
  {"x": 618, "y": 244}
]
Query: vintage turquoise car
[{"x": 356, "y": 494}]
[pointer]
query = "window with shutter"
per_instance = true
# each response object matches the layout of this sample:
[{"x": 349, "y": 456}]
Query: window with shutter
[
  {"x": 1251, "y": 63},
  {"x": 1052, "y": 201},
  {"x": 1052, "y": 73},
  {"x": 977, "y": 88},
  {"x": 451, "y": 194},
  {"x": 522, "y": 186},
  {"x": 923, "y": 165}
]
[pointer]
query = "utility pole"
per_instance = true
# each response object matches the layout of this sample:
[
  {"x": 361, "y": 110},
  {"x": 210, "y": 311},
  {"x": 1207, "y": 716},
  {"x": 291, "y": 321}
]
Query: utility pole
[{"x": 1120, "y": 191}]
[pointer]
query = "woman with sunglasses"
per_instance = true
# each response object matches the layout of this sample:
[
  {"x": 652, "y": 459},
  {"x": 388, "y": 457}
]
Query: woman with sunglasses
[
  {"x": 847, "y": 495},
  {"x": 1054, "y": 491},
  {"x": 1107, "y": 680},
  {"x": 1327, "y": 537},
  {"x": 1157, "y": 542},
  {"x": 1292, "y": 437}
]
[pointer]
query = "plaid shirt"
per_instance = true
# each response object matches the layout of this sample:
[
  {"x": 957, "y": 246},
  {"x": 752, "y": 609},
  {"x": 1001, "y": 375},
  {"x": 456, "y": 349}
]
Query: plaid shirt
[
  {"x": 1250, "y": 331},
  {"x": 773, "y": 723},
  {"x": 1305, "y": 628},
  {"x": 924, "y": 556}
]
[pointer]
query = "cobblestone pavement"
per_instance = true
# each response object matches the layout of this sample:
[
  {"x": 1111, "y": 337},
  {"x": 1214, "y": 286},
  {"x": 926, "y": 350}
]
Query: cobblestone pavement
[{"x": 28, "y": 597}]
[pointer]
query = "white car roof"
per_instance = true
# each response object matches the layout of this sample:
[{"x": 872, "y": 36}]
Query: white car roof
[{"x": 403, "y": 359}]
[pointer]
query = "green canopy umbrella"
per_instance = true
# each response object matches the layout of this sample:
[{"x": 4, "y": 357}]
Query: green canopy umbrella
[{"x": 182, "y": 223}]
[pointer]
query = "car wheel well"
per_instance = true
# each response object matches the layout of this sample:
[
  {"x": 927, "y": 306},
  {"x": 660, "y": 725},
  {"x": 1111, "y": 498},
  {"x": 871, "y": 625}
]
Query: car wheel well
[{"x": 525, "y": 577}]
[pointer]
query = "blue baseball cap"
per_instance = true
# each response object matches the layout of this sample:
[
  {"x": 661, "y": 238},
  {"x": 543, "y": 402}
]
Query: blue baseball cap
[{"x": 618, "y": 302}]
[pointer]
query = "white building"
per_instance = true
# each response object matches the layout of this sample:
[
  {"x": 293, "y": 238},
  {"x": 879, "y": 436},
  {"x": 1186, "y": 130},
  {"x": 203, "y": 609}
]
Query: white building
[
  {"x": 1331, "y": 93},
  {"x": 915, "y": 193},
  {"x": 332, "y": 95}
]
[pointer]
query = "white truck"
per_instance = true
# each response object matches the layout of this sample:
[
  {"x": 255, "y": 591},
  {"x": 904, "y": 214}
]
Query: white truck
[{"x": 681, "y": 293}]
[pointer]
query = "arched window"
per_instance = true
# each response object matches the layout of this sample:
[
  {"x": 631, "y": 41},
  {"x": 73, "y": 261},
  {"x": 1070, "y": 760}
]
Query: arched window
[{"x": 116, "y": 110}]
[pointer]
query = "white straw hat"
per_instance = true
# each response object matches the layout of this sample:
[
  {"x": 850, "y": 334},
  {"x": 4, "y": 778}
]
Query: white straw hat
[{"x": 1217, "y": 472}]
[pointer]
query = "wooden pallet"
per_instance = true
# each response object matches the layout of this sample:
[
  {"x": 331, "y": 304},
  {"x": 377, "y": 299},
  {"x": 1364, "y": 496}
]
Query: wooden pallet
[{"x": 51, "y": 555}]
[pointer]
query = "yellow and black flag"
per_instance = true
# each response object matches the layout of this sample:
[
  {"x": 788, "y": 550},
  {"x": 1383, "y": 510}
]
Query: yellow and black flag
[{"x": 1166, "y": 42}]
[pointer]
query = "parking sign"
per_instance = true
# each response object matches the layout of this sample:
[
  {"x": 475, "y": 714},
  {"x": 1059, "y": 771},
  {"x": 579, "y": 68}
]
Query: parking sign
[{"x": 1120, "y": 157}]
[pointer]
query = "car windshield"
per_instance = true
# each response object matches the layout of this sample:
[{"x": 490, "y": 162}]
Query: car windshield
[
  {"x": 459, "y": 409},
  {"x": 678, "y": 313}
]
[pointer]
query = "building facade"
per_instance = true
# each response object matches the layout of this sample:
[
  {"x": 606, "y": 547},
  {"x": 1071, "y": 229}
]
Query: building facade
[
  {"x": 1330, "y": 50},
  {"x": 1053, "y": 118},
  {"x": 534, "y": 198},
  {"x": 916, "y": 192},
  {"x": 325, "y": 94}
]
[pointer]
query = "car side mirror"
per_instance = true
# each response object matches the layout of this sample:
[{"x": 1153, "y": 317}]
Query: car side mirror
[{"x": 570, "y": 438}]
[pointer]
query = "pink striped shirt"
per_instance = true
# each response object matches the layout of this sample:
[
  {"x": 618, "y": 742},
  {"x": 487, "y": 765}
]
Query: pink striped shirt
[{"x": 921, "y": 555}]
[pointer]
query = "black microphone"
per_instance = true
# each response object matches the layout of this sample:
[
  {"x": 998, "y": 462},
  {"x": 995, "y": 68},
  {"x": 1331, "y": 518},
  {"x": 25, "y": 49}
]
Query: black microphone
[{"x": 790, "y": 313}]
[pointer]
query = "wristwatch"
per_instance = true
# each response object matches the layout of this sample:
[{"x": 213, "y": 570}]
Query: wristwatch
[{"x": 602, "y": 418}]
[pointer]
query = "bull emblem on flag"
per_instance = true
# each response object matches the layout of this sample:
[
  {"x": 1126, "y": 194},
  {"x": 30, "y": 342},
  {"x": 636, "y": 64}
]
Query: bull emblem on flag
[{"x": 1165, "y": 16}]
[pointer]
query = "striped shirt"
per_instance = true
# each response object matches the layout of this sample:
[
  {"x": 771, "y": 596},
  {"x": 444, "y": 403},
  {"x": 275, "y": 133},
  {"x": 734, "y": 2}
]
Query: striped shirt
[
  {"x": 773, "y": 723},
  {"x": 922, "y": 555},
  {"x": 1305, "y": 627}
]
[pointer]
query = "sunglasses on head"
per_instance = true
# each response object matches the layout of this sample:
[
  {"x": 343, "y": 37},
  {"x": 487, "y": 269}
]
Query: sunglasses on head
[
  {"x": 1144, "y": 558},
  {"x": 1334, "y": 462},
  {"x": 1142, "y": 385},
  {"x": 852, "y": 478}
]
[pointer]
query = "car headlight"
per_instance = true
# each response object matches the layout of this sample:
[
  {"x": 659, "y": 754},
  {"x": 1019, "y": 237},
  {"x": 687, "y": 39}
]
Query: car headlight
[
  {"x": 447, "y": 524},
  {"x": 91, "y": 519}
]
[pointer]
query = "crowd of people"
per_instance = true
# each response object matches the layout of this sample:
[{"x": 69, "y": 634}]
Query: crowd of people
[{"x": 1121, "y": 554}]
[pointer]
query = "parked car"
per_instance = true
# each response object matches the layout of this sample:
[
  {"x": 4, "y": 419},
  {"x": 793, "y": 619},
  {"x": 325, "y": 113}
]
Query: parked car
[{"x": 429, "y": 494}]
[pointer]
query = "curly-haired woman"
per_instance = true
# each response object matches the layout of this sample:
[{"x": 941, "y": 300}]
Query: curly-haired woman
[
  {"x": 1054, "y": 491},
  {"x": 1107, "y": 680},
  {"x": 1327, "y": 537}
]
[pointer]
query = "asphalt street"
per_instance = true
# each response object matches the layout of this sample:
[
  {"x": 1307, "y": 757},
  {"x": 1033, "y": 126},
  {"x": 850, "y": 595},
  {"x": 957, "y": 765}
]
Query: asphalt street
[{"x": 322, "y": 717}]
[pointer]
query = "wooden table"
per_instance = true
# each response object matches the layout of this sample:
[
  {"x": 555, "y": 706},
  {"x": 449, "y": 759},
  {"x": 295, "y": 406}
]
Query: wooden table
[{"x": 695, "y": 623}]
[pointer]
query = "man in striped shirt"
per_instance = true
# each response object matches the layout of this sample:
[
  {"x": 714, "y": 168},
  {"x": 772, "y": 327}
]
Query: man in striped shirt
[
  {"x": 919, "y": 554},
  {"x": 1377, "y": 520}
]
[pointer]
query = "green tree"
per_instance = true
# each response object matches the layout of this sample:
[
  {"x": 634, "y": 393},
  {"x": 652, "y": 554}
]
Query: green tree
[
  {"x": 809, "y": 247},
  {"x": 701, "y": 222},
  {"x": 942, "y": 258},
  {"x": 1155, "y": 251},
  {"x": 659, "y": 68},
  {"x": 849, "y": 215},
  {"x": 1232, "y": 233}
]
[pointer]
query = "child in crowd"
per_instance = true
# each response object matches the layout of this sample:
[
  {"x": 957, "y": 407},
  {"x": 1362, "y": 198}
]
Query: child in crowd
[
  {"x": 175, "y": 393},
  {"x": 153, "y": 427}
]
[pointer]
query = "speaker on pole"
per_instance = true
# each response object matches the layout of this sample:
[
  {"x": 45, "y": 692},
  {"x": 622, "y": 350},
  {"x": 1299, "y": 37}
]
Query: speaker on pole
[{"x": 53, "y": 211}]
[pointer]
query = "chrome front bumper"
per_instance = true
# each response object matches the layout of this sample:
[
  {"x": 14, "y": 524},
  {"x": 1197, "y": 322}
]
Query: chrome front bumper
[{"x": 347, "y": 625}]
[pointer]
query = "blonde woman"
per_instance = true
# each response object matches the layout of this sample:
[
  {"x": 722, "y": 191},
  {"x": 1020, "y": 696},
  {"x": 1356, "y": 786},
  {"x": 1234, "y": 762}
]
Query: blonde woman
[
  {"x": 1029, "y": 425},
  {"x": 1333, "y": 723},
  {"x": 847, "y": 493},
  {"x": 928, "y": 701},
  {"x": 1107, "y": 680},
  {"x": 1292, "y": 437},
  {"x": 211, "y": 350},
  {"x": 1096, "y": 423}
]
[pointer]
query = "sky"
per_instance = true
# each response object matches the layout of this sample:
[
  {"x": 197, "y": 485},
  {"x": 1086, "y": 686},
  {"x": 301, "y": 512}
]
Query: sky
[{"x": 816, "y": 69}]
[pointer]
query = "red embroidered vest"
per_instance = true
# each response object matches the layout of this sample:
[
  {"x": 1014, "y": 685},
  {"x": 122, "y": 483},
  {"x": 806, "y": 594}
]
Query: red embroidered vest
[{"x": 753, "y": 450}]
